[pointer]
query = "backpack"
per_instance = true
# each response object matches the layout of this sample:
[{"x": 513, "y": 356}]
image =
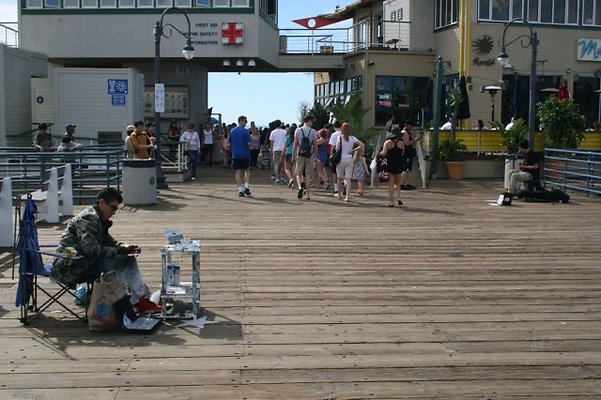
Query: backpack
[{"x": 305, "y": 148}]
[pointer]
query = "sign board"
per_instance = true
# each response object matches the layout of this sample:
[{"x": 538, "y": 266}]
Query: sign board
[
  {"x": 117, "y": 86},
  {"x": 118, "y": 100},
  {"x": 159, "y": 97},
  {"x": 589, "y": 50}
]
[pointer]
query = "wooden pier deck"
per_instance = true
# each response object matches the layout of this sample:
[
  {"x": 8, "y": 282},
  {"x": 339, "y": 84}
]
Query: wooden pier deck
[{"x": 447, "y": 297}]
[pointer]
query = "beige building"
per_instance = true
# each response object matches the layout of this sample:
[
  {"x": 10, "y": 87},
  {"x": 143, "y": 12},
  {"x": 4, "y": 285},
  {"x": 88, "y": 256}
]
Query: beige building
[{"x": 396, "y": 43}]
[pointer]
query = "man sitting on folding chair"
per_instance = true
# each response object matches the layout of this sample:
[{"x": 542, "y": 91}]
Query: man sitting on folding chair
[{"x": 88, "y": 234}]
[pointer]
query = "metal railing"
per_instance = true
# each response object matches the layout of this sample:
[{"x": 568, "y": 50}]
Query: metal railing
[
  {"x": 357, "y": 37},
  {"x": 573, "y": 170},
  {"x": 9, "y": 34},
  {"x": 91, "y": 169}
]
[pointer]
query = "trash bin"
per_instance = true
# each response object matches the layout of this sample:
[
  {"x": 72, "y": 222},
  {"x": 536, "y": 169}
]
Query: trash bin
[{"x": 139, "y": 182}]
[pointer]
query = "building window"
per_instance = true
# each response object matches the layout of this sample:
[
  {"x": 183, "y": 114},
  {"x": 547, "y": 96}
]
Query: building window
[
  {"x": 145, "y": 3},
  {"x": 221, "y": 3},
  {"x": 494, "y": 10},
  {"x": 34, "y": 3},
  {"x": 108, "y": 3},
  {"x": 127, "y": 3},
  {"x": 183, "y": 3},
  {"x": 403, "y": 96},
  {"x": 71, "y": 3},
  {"x": 203, "y": 3},
  {"x": 164, "y": 3},
  {"x": 89, "y": 3},
  {"x": 445, "y": 13},
  {"x": 591, "y": 12},
  {"x": 563, "y": 12},
  {"x": 240, "y": 3},
  {"x": 52, "y": 3}
]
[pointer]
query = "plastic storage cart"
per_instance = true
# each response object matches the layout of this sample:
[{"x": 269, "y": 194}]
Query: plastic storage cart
[{"x": 180, "y": 288}]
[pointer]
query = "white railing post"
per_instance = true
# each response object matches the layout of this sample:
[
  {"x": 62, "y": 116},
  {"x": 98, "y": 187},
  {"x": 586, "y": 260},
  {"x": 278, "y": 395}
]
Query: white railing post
[
  {"x": 66, "y": 193},
  {"x": 48, "y": 209},
  {"x": 6, "y": 213}
]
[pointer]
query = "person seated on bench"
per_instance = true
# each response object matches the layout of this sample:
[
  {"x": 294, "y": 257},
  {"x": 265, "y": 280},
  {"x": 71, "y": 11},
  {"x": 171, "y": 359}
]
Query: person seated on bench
[
  {"x": 88, "y": 234},
  {"x": 528, "y": 170}
]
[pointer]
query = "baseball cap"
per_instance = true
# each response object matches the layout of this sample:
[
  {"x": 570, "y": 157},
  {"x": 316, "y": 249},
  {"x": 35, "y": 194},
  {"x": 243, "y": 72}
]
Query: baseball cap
[
  {"x": 43, "y": 126},
  {"x": 130, "y": 128},
  {"x": 70, "y": 126}
]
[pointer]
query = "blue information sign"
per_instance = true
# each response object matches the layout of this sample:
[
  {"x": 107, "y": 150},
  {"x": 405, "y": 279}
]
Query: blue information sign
[
  {"x": 117, "y": 86},
  {"x": 118, "y": 100}
]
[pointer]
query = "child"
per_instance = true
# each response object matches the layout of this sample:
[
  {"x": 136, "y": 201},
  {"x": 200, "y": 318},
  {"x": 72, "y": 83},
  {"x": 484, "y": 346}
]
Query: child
[{"x": 360, "y": 170}]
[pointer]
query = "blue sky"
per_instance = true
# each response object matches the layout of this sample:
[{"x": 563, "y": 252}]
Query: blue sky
[
  {"x": 269, "y": 96},
  {"x": 266, "y": 96}
]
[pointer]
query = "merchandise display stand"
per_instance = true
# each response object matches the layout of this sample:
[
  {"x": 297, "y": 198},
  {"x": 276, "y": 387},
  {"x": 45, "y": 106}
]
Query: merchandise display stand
[{"x": 180, "y": 299}]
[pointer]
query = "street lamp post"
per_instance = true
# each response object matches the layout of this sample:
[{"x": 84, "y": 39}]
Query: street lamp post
[
  {"x": 503, "y": 59},
  {"x": 188, "y": 53},
  {"x": 492, "y": 90}
]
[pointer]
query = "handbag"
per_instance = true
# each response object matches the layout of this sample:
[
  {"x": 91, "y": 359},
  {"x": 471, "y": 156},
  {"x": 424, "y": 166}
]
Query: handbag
[
  {"x": 336, "y": 156},
  {"x": 108, "y": 290}
]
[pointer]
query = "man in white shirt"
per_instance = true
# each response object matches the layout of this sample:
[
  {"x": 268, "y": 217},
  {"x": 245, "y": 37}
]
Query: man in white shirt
[
  {"x": 333, "y": 140},
  {"x": 278, "y": 146},
  {"x": 192, "y": 141}
]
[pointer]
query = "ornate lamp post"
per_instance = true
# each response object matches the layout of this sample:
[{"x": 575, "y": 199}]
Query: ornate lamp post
[
  {"x": 159, "y": 89},
  {"x": 503, "y": 59}
]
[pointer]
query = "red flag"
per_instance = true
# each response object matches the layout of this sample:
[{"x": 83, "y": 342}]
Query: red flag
[
  {"x": 315, "y": 22},
  {"x": 563, "y": 91}
]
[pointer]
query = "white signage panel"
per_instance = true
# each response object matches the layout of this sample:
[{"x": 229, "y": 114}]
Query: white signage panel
[
  {"x": 159, "y": 97},
  {"x": 589, "y": 50}
]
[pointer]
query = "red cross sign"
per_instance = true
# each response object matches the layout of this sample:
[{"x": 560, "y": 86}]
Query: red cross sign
[{"x": 232, "y": 33}]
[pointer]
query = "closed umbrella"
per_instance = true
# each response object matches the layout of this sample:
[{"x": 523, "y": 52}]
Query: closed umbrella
[
  {"x": 30, "y": 258},
  {"x": 429, "y": 110},
  {"x": 463, "y": 111}
]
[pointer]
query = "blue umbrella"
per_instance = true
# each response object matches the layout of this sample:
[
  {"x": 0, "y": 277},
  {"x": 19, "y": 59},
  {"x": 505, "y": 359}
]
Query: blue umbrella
[{"x": 30, "y": 258}]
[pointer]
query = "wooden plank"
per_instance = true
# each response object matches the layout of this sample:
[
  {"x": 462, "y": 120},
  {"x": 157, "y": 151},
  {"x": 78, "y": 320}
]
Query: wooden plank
[{"x": 324, "y": 300}]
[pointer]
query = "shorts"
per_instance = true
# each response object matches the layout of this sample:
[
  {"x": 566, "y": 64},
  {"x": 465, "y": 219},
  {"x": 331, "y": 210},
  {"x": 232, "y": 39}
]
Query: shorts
[
  {"x": 240, "y": 163},
  {"x": 289, "y": 158},
  {"x": 277, "y": 157},
  {"x": 305, "y": 166},
  {"x": 345, "y": 168}
]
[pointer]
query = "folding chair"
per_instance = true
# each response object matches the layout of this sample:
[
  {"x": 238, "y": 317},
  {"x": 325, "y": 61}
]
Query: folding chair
[{"x": 31, "y": 266}]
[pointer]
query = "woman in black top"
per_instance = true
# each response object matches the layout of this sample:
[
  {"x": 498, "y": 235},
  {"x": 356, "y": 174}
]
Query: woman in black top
[{"x": 393, "y": 151}]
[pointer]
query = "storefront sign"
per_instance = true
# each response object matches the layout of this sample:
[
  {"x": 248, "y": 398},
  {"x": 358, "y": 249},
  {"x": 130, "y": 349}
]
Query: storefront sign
[
  {"x": 206, "y": 34},
  {"x": 589, "y": 50}
]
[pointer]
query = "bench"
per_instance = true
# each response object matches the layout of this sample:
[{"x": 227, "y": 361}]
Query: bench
[
  {"x": 56, "y": 195},
  {"x": 6, "y": 213}
]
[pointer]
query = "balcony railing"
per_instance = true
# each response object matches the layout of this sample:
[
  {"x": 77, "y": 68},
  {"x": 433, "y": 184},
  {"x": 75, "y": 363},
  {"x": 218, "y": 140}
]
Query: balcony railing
[
  {"x": 9, "y": 34},
  {"x": 394, "y": 35}
]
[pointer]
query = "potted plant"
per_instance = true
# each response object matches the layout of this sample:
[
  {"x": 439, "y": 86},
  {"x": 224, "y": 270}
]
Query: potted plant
[
  {"x": 452, "y": 152},
  {"x": 562, "y": 122},
  {"x": 511, "y": 140},
  {"x": 563, "y": 125}
]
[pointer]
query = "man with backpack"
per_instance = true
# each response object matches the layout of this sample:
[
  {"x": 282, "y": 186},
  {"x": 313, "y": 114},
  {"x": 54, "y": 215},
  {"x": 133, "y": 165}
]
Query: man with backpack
[{"x": 304, "y": 153}]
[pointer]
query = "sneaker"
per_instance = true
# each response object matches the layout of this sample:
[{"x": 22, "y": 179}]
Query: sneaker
[
  {"x": 300, "y": 193},
  {"x": 404, "y": 187},
  {"x": 193, "y": 178},
  {"x": 291, "y": 183},
  {"x": 410, "y": 187},
  {"x": 247, "y": 192},
  {"x": 145, "y": 305},
  {"x": 241, "y": 194}
]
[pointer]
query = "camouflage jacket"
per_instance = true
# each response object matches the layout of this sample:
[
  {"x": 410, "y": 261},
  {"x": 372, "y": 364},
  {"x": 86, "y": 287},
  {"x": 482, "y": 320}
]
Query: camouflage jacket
[{"x": 88, "y": 234}]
